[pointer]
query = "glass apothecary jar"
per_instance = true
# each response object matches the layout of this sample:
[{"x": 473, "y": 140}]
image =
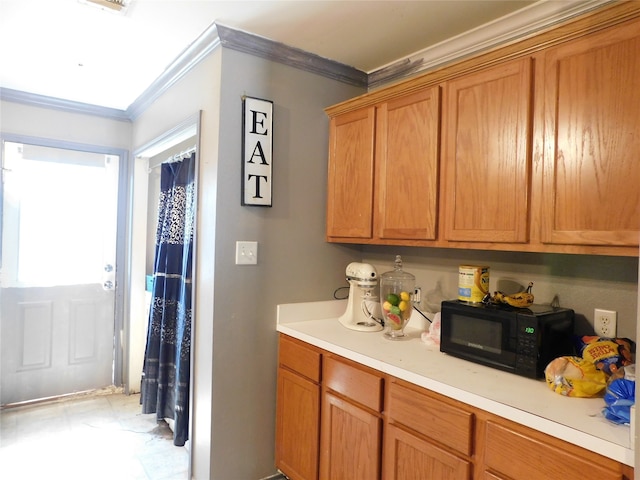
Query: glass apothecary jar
[{"x": 396, "y": 299}]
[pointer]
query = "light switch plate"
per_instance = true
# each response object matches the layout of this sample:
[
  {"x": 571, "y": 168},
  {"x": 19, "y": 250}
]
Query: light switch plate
[{"x": 246, "y": 253}]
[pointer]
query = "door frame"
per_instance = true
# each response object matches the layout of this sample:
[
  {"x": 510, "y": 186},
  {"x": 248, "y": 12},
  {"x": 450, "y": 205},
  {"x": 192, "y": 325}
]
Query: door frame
[
  {"x": 187, "y": 128},
  {"x": 121, "y": 227},
  {"x": 136, "y": 238}
]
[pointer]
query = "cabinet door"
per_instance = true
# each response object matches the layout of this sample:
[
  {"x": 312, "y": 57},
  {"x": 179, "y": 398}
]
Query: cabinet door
[
  {"x": 592, "y": 139},
  {"x": 407, "y": 140},
  {"x": 486, "y": 154},
  {"x": 350, "y": 441},
  {"x": 350, "y": 176},
  {"x": 492, "y": 476},
  {"x": 408, "y": 457},
  {"x": 521, "y": 454},
  {"x": 297, "y": 426}
]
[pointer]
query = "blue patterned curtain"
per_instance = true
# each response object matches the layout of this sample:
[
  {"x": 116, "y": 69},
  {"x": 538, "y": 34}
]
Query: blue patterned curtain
[{"x": 165, "y": 375}]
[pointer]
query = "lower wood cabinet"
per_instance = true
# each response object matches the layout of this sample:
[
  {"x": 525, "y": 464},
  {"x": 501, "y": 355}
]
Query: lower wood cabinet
[
  {"x": 425, "y": 436},
  {"x": 513, "y": 452},
  {"x": 298, "y": 410},
  {"x": 339, "y": 420},
  {"x": 350, "y": 445},
  {"x": 431, "y": 415},
  {"x": 490, "y": 476},
  {"x": 409, "y": 457},
  {"x": 351, "y": 432}
]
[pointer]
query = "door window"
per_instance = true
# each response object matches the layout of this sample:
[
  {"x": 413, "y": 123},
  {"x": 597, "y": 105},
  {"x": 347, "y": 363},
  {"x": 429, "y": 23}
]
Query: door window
[{"x": 59, "y": 216}]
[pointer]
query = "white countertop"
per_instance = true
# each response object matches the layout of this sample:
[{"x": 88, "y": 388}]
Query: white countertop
[{"x": 529, "y": 402}]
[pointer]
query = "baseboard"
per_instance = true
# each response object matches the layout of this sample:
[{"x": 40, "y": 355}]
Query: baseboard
[{"x": 276, "y": 476}]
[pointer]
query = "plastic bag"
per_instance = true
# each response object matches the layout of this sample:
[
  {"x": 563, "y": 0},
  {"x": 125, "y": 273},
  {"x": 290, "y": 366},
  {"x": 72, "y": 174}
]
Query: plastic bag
[
  {"x": 432, "y": 336},
  {"x": 575, "y": 377},
  {"x": 620, "y": 395}
]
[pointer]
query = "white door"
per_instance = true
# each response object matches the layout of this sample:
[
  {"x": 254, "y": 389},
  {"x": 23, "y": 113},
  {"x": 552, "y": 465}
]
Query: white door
[{"x": 57, "y": 278}]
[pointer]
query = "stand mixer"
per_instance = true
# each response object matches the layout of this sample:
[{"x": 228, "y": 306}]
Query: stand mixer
[{"x": 363, "y": 280}]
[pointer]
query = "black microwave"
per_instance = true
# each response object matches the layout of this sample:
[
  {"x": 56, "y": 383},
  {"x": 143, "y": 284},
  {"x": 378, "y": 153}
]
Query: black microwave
[{"x": 518, "y": 340}]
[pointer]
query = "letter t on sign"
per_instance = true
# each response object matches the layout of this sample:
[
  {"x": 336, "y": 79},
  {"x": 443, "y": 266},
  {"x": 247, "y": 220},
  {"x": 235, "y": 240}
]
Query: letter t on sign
[{"x": 257, "y": 151}]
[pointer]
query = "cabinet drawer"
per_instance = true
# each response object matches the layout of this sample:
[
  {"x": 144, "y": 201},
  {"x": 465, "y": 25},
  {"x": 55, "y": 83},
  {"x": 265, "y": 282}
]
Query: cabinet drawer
[
  {"x": 518, "y": 455},
  {"x": 300, "y": 358},
  {"x": 353, "y": 382},
  {"x": 433, "y": 418}
]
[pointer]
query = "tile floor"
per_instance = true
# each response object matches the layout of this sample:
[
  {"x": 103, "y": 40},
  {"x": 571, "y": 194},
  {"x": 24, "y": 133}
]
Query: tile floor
[{"x": 88, "y": 438}]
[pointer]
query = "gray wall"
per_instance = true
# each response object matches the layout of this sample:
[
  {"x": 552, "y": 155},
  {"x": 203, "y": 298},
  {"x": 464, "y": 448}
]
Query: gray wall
[
  {"x": 235, "y": 314},
  {"x": 581, "y": 282},
  {"x": 295, "y": 264},
  {"x": 199, "y": 90}
]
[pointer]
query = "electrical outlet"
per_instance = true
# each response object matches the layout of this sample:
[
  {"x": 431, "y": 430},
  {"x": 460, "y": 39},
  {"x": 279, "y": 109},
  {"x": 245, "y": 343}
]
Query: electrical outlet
[
  {"x": 605, "y": 322},
  {"x": 417, "y": 295}
]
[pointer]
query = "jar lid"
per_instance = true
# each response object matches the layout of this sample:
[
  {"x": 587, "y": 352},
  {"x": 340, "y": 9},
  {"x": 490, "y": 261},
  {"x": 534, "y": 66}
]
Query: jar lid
[{"x": 397, "y": 274}]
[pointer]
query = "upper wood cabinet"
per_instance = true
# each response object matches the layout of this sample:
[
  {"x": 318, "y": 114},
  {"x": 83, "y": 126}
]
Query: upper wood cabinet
[
  {"x": 531, "y": 147},
  {"x": 407, "y": 140},
  {"x": 390, "y": 192},
  {"x": 350, "y": 190},
  {"x": 486, "y": 154},
  {"x": 591, "y": 115}
]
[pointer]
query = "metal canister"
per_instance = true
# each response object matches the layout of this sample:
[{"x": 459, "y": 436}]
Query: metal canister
[{"x": 473, "y": 283}]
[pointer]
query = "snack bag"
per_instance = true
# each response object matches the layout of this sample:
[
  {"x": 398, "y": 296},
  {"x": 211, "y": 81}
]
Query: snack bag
[
  {"x": 607, "y": 354},
  {"x": 575, "y": 377}
]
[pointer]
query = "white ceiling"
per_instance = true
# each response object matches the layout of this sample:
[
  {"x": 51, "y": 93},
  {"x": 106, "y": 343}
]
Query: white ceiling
[{"x": 73, "y": 51}]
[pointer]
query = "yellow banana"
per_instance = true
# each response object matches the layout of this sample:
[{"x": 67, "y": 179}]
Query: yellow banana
[
  {"x": 498, "y": 297},
  {"x": 520, "y": 300}
]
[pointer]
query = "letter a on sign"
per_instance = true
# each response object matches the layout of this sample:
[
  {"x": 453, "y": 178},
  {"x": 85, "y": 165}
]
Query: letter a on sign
[{"x": 257, "y": 151}]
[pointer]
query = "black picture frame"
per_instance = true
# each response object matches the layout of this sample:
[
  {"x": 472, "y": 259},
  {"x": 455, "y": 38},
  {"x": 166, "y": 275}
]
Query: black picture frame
[{"x": 257, "y": 152}]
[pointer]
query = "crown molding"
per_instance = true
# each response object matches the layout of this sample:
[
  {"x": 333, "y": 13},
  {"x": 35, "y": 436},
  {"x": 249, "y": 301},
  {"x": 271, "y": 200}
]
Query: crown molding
[
  {"x": 207, "y": 42},
  {"x": 213, "y": 37},
  {"x": 539, "y": 16},
  {"x": 54, "y": 103},
  {"x": 510, "y": 28},
  {"x": 294, "y": 57}
]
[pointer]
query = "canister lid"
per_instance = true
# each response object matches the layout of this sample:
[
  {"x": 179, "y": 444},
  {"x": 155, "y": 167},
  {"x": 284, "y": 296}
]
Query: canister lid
[{"x": 397, "y": 274}]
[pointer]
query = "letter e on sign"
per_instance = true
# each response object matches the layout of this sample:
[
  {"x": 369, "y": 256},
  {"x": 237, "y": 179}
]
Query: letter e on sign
[{"x": 257, "y": 151}]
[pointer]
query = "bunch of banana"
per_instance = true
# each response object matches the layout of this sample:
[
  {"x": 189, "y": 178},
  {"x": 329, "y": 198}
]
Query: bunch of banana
[{"x": 519, "y": 300}]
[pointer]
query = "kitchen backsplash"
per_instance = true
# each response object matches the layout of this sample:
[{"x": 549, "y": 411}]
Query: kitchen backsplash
[{"x": 580, "y": 282}]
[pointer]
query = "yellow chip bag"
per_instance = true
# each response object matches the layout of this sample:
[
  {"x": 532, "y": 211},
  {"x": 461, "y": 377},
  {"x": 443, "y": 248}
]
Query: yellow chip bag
[
  {"x": 575, "y": 377},
  {"x": 607, "y": 354},
  {"x": 600, "y": 351}
]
